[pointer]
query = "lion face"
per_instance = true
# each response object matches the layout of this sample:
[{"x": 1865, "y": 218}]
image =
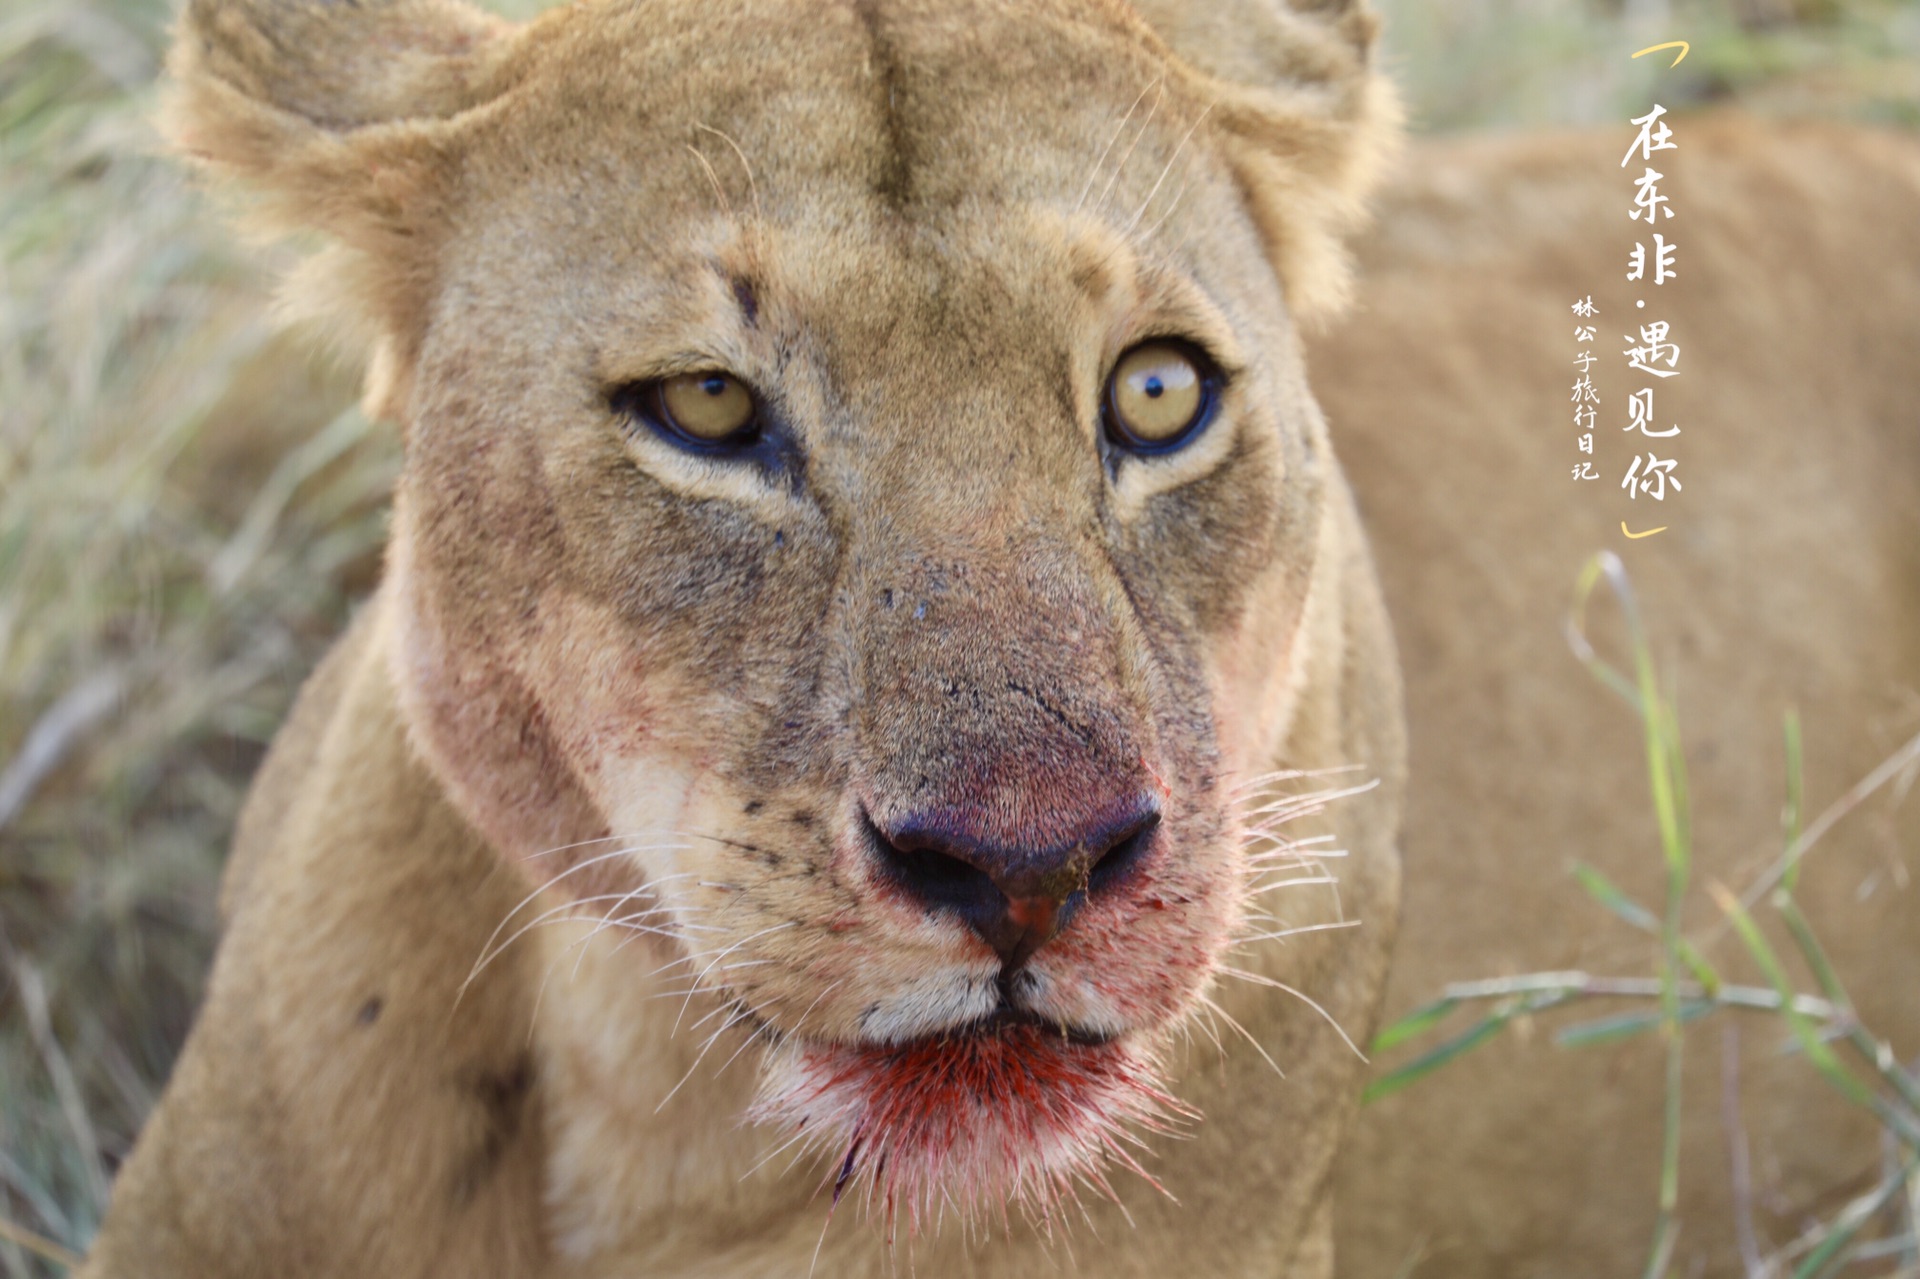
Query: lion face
[{"x": 861, "y": 499}]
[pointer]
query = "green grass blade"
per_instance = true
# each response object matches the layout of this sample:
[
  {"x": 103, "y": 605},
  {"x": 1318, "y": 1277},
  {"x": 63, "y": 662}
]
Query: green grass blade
[
  {"x": 1804, "y": 1031},
  {"x": 1847, "y": 1225},
  {"x": 1415, "y": 1023},
  {"x": 1602, "y": 1030},
  {"x": 1434, "y": 1058},
  {"x": 1697, "y": 964},
  {"x": 1609, "y": 895}
]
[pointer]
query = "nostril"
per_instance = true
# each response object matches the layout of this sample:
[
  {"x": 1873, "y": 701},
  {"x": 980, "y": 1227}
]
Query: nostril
[
  {"x": 1119, "y": 862},
  {"x": 939, "y": 877},
  {"x": 934, "y": 878}
]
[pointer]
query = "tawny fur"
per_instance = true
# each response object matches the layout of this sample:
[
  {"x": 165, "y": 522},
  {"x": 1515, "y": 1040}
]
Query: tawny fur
[
  {"x": 612, "y": 726},
  {"x": 607, "y": 683},
  {"x": 1789, "y": 578}
]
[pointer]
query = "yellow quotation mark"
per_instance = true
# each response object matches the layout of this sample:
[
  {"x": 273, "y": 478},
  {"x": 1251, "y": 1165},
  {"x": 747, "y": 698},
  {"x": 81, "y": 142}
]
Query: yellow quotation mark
[{"x": 1681, "y": 45}]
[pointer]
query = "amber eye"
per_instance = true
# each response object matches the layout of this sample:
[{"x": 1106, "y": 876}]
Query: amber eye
[
  {"x": 711, "y": 408},
  {"x": 1159, "y": 396}
]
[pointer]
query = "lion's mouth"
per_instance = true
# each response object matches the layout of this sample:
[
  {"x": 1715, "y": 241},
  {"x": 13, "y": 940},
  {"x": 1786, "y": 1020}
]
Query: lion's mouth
[
  {"x": 1007, "y": 1108},
  {"x": 1007, "y": 1019}
]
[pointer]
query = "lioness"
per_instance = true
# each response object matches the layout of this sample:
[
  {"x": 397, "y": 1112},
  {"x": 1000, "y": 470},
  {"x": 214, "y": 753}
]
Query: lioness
[
  {"x": 867, "y": 578},
  {"x": 880, "y": 739}
]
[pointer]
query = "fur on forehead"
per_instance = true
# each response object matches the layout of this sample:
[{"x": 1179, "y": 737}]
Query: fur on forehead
[{"x": 360, "y": 121}]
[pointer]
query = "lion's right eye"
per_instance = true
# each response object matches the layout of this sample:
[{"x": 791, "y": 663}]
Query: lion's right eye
[
  {"x": 1159, "y": 397},
  {"x": 706, "y": 412}
]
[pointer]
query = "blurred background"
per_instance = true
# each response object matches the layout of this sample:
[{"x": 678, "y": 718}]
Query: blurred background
[{"x": 190, "y": 504}]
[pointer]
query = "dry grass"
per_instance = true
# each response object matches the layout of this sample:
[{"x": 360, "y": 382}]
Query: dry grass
[
  {"x": 1527, "y": 63},
  {"x": 188, "y": 507},
  {"x": 184, "y": 513}
]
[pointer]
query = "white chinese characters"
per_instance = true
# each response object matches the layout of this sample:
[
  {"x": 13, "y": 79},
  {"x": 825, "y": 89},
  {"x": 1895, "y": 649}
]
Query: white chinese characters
[
  {"x": 1653, "y": 479},
  {"x": 1652, "y": 353},
  {"x": 1654, "y": 136},
  {"x": 1586, "y": 398},
  {"x": 1661, "y": 259}
]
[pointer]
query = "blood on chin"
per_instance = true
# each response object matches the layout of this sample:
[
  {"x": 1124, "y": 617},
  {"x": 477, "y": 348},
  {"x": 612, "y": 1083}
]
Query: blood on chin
[{"x": 1011, "y": 1115}]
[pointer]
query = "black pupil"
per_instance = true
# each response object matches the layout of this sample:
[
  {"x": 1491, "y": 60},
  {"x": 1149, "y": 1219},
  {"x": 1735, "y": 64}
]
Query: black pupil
[
  {"x": 1155, "y": 388},
  {"x": 715, "y": 386}
]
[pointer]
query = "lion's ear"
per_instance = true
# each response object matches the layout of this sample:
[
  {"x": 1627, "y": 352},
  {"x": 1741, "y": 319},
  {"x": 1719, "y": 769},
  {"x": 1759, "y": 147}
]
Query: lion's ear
[
  {"x": 338, "y": 116},
  {"x": 1308, "y": 121}
]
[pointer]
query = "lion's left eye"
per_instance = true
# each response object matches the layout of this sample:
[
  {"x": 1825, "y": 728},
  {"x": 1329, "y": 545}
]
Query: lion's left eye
[
  {"x": 700, "y": 411},
  {"x": 1159, "y": 396}
]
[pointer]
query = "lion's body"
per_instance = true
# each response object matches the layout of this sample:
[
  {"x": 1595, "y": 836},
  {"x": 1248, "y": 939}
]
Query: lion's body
[
  {"x": 1789, "y": 577},
  {"x": 580, "y": 638}
]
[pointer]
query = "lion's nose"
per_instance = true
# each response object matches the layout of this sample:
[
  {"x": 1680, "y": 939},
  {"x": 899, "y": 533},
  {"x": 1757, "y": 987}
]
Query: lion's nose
[{"x": 1016, "y": 897}]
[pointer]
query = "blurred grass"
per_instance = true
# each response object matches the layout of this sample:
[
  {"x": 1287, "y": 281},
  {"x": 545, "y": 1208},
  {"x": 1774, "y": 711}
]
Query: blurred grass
[
  {"x": 1528, "y": 63},
  {"x": 1879, "y": 1226},
  {"x": 186, "y": 507},
  {"x": 189, "y": 504}
]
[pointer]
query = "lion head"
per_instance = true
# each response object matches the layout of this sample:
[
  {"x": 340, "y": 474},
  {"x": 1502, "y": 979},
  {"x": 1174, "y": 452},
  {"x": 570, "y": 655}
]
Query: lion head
[{"x": 863, "y": 519}]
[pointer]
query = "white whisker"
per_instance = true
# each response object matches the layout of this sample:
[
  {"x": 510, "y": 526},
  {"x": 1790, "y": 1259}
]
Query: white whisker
[
  {"x": 1168, "y": 168},
  {"x": 1118, "y": 129},
  {"x": 1261, "y": 979},
  {"x": 626, "y": 850},
  {"x": 1296, "y": 931},
  {"x": 799, "y": 1135},
  {"x": 699, "y": 1057},
  {"x": 722, "y": 955},
  {"x": 568, "y": 907},
  {"x": 1119, "y": 168},
  {"x": 713, "y": 178},
  {"x": 564, "y": 848},
  {"x": 1261, "y": 780},
  {"x": 1244, "y": 1034},
  {"x": 752, "y": 186},
  {"x": 1305, "y": 881}
]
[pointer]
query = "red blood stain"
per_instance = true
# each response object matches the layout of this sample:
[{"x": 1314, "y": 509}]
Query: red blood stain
[
  {"x": 1166, "y": 791},
  {"x": 1009, "y": 1115}
]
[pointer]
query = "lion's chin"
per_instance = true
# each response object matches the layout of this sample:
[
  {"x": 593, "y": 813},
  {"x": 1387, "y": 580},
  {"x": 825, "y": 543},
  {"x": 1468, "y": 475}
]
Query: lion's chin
[{"x": 1000, "y": 1114}]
